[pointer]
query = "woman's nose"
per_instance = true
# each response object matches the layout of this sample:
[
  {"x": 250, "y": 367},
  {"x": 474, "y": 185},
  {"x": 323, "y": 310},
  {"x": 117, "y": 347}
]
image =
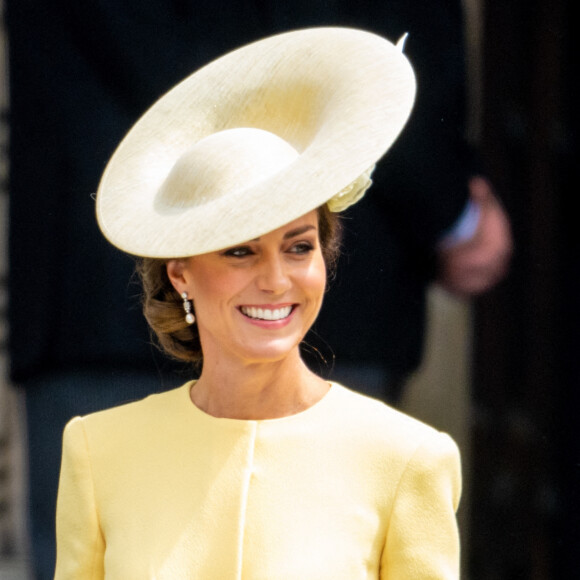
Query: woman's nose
[{"x": 273, "y": 276}]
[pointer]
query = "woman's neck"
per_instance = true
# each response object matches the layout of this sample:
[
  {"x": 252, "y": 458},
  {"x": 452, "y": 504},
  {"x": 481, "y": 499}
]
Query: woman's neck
[{"x": 257, "y": 391}]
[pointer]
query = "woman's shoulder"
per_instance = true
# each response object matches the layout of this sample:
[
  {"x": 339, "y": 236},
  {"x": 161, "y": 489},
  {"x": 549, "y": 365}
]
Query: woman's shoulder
[
  {"x": 374, "y": 422},
  {"x": 132, "y": 415},
  {"x": 371, "y": 411}
]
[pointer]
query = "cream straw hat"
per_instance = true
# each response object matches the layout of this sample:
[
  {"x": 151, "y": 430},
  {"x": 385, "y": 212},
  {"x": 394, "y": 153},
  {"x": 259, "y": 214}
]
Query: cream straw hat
[{"x": 254, "y": 140}]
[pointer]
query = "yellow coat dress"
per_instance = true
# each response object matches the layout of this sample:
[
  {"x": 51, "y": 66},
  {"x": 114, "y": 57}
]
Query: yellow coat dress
[{"x": 348, "y": 489}]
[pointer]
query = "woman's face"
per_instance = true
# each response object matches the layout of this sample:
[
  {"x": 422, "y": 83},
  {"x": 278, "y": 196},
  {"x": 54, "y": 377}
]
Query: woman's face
[{"x": 256, "y": 301}]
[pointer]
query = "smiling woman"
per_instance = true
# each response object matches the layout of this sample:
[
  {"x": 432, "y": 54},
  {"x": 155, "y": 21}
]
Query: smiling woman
[{"x": 228, "y": 191}]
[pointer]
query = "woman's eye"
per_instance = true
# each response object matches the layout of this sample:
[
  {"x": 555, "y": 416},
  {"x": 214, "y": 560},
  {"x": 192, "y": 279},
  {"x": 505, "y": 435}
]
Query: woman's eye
[
  {"x": 302, "y": 248},
  {"x": 240, "y": 252}
]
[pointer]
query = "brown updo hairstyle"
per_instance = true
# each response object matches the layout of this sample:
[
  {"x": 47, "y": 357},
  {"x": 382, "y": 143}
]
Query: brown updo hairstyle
[{"x": 163, "y": 306}]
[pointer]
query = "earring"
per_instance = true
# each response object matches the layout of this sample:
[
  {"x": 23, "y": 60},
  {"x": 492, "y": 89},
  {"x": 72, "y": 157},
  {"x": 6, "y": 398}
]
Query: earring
[{"x": 189, "y": 317}]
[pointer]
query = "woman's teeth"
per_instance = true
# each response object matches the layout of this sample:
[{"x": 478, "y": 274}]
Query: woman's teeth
[{"x": 266, "y": 313}]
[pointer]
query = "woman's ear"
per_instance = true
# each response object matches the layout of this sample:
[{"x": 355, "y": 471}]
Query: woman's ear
[{"x": 175, "y": 273}]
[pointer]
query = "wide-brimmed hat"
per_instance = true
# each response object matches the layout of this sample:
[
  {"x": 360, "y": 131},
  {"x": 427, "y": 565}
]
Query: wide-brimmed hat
[{"x": 254, "y": 140}]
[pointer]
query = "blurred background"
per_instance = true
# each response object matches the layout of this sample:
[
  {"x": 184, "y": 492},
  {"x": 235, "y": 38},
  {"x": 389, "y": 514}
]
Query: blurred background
[{"x": 502, "y": 372}]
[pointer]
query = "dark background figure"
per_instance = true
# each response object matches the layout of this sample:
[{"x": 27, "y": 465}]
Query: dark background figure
[
  {"x": 81, "y": 74},
  {"x": 526, "y": 478}
]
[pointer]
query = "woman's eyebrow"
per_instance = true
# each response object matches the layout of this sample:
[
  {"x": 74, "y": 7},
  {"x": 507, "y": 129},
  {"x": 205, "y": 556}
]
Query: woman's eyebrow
[
  {"x": 299, "y": 231},
  {"x": 292, "y": 233}
]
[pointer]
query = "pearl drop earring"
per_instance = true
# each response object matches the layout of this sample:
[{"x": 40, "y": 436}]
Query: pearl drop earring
[{"x": 189, "y": 317}]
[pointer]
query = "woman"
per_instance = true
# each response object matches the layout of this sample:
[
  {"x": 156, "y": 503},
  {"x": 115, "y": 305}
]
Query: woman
[{"x": 227, "y": 189}]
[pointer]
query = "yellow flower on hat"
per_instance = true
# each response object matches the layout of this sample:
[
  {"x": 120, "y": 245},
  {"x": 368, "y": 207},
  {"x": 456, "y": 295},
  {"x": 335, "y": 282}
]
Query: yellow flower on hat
[{"x": 351, "y": 193}]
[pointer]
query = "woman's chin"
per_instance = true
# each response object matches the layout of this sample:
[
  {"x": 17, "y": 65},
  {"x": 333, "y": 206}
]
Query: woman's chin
[{"x": 271, "y": 351}]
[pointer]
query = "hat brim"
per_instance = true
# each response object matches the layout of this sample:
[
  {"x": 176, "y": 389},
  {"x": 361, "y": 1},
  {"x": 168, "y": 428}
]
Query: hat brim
[{"x": 339, "y": 96}]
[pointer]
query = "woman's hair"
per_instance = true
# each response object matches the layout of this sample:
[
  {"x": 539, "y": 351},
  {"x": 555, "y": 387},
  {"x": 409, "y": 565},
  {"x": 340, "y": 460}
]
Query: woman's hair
[{"x": 163, "y": 306}]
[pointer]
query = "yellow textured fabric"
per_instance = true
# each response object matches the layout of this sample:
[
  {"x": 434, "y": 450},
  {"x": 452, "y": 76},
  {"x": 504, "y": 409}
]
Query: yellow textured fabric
[{"x": 348, "y": 489}]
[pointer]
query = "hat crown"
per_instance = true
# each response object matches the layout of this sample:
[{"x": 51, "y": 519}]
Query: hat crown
[{"x": 222, "y": 164}]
